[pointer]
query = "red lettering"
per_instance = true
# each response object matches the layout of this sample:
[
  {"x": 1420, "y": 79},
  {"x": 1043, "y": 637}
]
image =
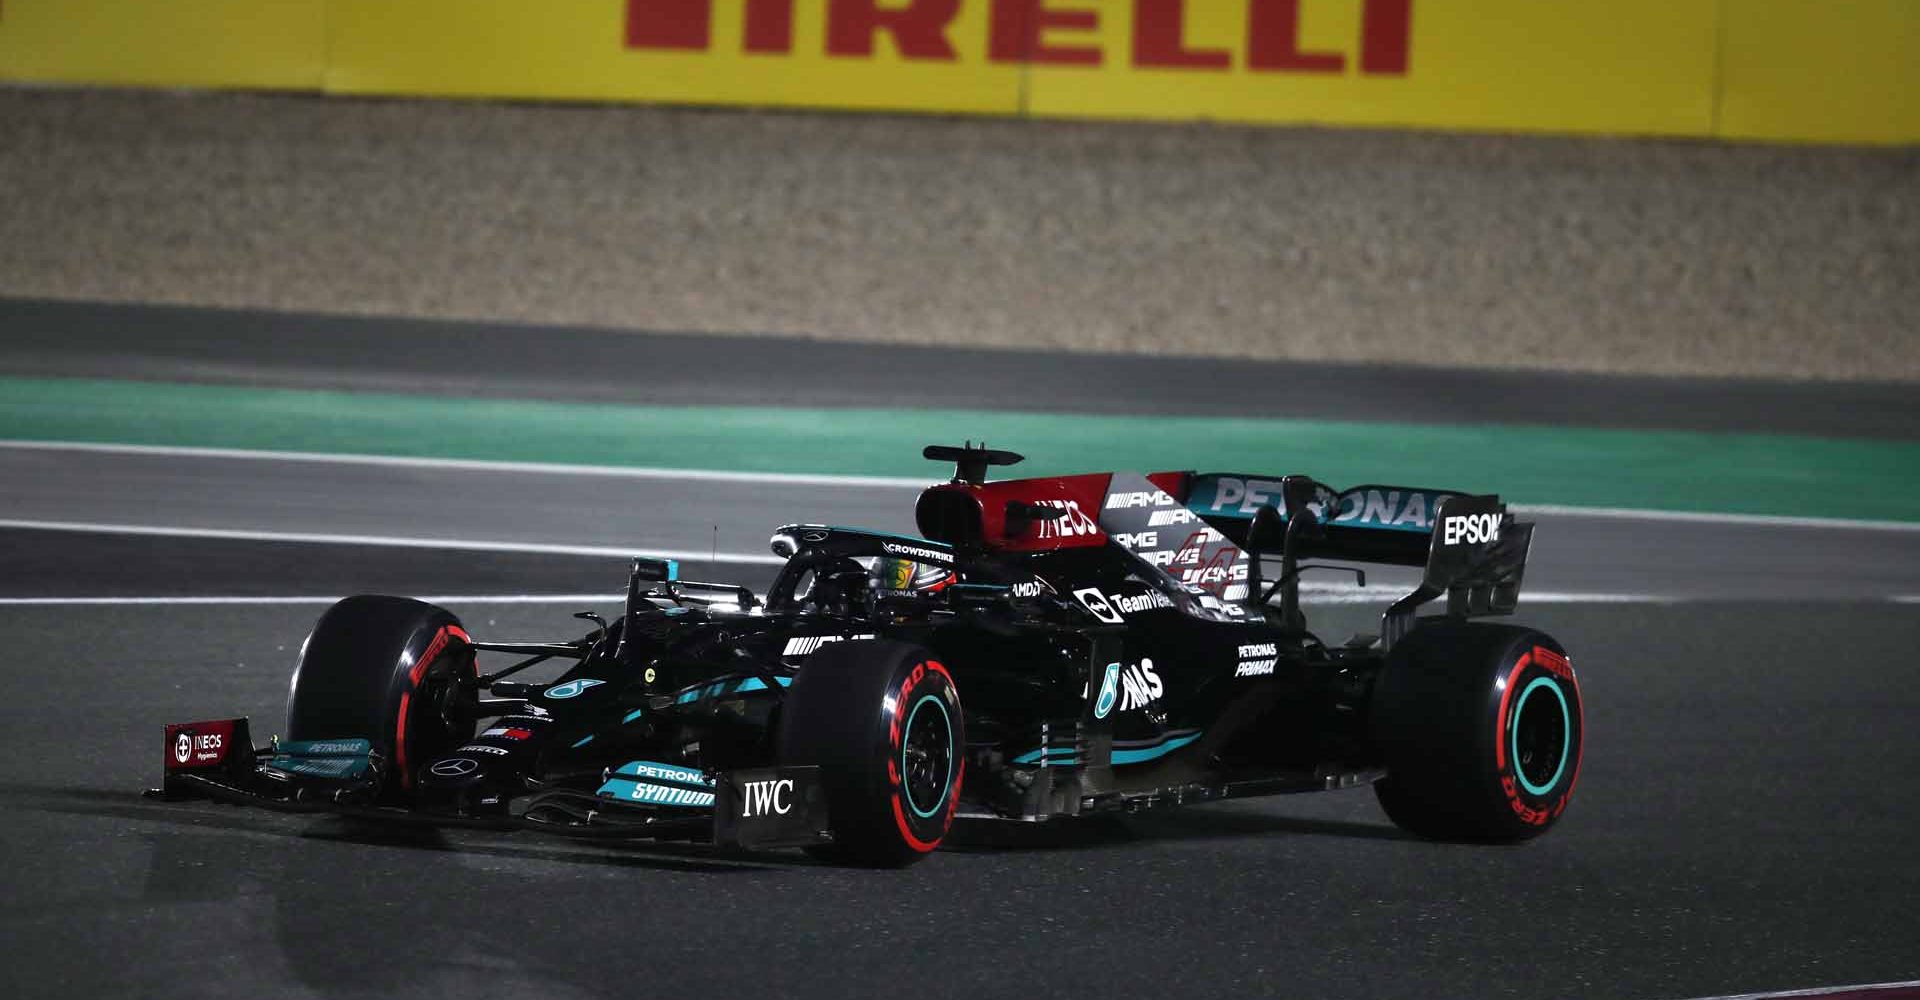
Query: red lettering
[
  {"x": 1018, "y": 28},
  {"x": 1159, "y": 37},
  {"x": 1386, "y": 28},
  {"x": 1273, "y": 41},
  {"x": 669, "y": 24},
  {"x": 769, "y": 26},
  {"x": 919, "y": 29}
]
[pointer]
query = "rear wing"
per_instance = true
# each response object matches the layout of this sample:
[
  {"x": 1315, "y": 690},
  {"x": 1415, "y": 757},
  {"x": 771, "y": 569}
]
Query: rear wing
[{"x": 1471, "y": 548}]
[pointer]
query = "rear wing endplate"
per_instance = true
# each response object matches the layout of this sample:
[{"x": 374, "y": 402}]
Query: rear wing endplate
[
  {"x": 1476, "y": 556},
  {"x": 1471, "y": 548}
]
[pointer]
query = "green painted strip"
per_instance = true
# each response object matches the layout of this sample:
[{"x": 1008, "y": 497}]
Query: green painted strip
[{"x": 1736, "y": 473}]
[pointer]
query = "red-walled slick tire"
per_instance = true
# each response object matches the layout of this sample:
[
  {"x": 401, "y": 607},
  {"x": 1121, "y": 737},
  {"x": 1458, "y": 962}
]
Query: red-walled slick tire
[
  {"x": 394, "y": 671},
  {"x": 882, "y": 721},
  {"x": 1481, "y": 728}
]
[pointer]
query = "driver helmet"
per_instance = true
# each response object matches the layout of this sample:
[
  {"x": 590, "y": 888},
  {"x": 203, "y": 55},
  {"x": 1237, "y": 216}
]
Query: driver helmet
[{"x": 904, "y": 576}]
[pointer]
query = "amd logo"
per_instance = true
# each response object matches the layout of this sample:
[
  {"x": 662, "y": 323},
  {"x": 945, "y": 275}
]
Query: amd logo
[{"x": 766, "y": 798}]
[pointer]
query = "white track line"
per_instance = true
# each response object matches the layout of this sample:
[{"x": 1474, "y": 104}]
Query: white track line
[
  {"x": 457, "y": 544},
  {"x": 1694, "y": 517},
  {"x": 1335, "y": 593},
  {"x": 1820, "y": 991},
  {"x": 480, "y": 465},
  {"x": 1551, "y": 597},
  {"x": 29, "y": 602},
  {"x": 881, "y": 482}
]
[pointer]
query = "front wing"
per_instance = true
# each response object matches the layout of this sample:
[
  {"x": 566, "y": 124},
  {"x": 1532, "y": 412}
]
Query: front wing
[{"x": 747, "y": 808}]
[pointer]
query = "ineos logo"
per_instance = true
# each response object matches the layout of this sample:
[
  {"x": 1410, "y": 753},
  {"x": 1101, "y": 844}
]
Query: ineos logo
[
  {"x": 765, "y": 798},
  {"x": 183, "y": 747},
  {"x": 456, "y": 767}
]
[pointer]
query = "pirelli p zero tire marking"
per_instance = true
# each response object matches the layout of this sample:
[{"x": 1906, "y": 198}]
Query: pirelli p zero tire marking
[
  {"x": 924, "y": 768},
  {"x": 394, "y": 671},
  {"x": 1481, "y": 729},
  {"x": 1539, "y": 728},
  {"x": 882, "y": 720}
]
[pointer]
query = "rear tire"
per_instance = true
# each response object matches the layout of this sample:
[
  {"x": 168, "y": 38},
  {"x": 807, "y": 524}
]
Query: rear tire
[
  {"x": 882, "y": 721},
  {"x": 394, "y": 671},
  {"x": 1481, "y": 730}
]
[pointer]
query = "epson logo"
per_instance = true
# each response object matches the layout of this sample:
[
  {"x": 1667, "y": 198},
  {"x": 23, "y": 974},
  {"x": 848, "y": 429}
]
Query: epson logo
[
  {"x": 1470, "y": 529},
  {"x": 915, "y": 552},
  {"x": 766, "y": 798}
]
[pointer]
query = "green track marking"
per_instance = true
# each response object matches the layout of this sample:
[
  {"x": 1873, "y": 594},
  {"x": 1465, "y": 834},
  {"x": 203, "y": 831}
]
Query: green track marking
[{"x": 1685, "y": 471}]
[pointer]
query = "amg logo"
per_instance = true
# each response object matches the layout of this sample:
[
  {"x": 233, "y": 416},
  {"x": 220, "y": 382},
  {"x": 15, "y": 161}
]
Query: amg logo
[
  {"x": 1074, "y": 525},
  {"x": 766, "y": 798},
  {"x": 807, "y": 645},
  {"x": 1155, "y": 498},
  {"x": 1471, "y": 529},
  {"x": 1214, "y": 574},
  {"x": 1165, "y": 518},
  {"x": 1141, "y": 540}
]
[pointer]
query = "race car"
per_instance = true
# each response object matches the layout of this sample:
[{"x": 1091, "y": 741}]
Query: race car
[{"x": 1048, "y": 648}]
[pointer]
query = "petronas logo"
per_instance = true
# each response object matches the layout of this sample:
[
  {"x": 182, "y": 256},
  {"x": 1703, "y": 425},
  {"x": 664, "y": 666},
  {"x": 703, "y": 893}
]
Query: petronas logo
[{"x": 1109, "y": 692}]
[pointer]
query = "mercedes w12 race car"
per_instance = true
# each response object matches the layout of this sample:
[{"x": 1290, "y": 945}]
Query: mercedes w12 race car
[{"x": 1050, "y": 648}]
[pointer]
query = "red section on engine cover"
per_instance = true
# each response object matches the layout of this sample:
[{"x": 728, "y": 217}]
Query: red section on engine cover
[{"x": 1079, "y": 497}]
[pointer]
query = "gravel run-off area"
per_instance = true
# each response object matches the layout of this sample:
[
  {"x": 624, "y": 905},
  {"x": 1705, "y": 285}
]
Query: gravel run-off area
[{"x": 1662, "y": 257}]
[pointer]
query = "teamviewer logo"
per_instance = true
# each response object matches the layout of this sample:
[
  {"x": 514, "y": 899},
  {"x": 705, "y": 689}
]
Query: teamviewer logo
[{"x": 1096, "y": 602}]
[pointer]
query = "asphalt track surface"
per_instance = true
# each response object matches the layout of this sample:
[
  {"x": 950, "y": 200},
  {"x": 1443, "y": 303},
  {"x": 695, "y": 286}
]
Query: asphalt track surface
[
  {"x": 304, "y": 351},
  {"x": 1745, "y": 821},
  {"x": 1746, "y": 818}
]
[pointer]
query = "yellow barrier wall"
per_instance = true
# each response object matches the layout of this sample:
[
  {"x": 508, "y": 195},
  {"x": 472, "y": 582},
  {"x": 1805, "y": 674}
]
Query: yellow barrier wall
[
  {"x": 274, "y": 44},
  {"x": 1821, "y": 70},
  {"x": 686, "y": 51},
  {"x": 1814, "y": 70},
  {"x": 1623, "y": 66}
]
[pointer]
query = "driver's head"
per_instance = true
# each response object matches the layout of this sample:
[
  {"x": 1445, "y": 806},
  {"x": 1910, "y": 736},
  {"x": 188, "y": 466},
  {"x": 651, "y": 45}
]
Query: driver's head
[{"x": 904, "y": 576}]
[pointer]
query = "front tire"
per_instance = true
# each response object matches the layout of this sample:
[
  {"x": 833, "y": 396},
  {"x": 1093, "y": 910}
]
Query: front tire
[
  {"x": 1481, "y": 730},
  {"x": 882, "y": 721},
  {"x": 396, "y": 672}
]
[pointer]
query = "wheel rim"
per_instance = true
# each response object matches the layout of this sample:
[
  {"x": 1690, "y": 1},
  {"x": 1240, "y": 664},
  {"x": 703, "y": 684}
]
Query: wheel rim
[
  {"x": 926, "y": 756},
  {"x": 446, "y": 710},
  {"x": 1542, "y": 736}
]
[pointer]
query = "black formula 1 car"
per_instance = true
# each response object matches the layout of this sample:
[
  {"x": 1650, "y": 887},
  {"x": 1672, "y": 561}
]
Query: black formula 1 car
[{"x": 1052, "y": 647}]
